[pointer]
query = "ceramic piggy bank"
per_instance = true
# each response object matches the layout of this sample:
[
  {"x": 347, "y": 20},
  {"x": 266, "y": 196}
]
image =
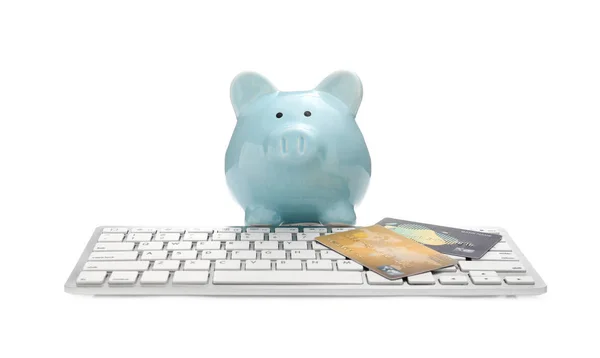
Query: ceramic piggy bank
[{"x": 297, "y": 156}]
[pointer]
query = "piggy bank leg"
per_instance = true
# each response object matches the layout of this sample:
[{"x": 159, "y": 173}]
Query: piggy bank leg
[
  {"x": 259, "y": 215},
  {"x": 341, "y": 212}
]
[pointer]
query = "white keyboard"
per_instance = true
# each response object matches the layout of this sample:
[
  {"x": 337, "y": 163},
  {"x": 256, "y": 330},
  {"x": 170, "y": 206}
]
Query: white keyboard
[{"x": 274, "y": 261}]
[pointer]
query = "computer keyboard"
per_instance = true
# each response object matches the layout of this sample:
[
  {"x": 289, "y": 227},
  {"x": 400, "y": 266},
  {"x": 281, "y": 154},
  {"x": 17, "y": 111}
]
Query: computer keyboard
[{"x": 284, "y": 261}]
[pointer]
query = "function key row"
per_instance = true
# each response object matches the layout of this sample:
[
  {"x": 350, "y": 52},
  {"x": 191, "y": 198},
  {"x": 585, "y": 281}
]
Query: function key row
[
  {"x": 123, "y": 230},
  {"x": 202, "y": 236},
  {"x": 236, "y": 230}
]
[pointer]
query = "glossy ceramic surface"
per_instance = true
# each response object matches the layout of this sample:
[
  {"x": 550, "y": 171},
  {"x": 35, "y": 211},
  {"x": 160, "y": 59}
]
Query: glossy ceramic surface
[{"x": 297, "y": 156}]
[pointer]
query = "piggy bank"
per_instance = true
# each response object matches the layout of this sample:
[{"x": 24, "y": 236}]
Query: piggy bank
[{"x": 297, "y": 156}]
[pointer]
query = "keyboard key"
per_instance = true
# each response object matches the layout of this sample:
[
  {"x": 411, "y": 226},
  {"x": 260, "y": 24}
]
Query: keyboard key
[
  {"x": 482, "y": 273},
  {"x": 214, "y": 254},
  {"x": 166, "y": 265},
  {"x": 224, "y": 236},
  {"x": 154, "y": 277},
  {"x": 244, "y": 255},
  {"x": 228, "y": 264},
  {"x": 341, "y": 229},
  {"x": 230, "y": 230},
  {"x": 252, "y": 236},
  {"x": 262, "y": 230},
  {"x": 172, "y": 229},
  {"x": 190, "y": 278},
  {"x": 318, "y": 265},
  {"x": 446, "y": 269},
  {"x": 116, "y": 265},
  {"x": 454, "y": 280},
  {"x": 195, "y": 236},
  {"x": 196, "y": 265},
  {"x": 184, "y": 255},
  {"x": 91, "y": 278},
  {"x": 272, "y": 255},
  {"x": 519, "y": 280},
  {"x": 199, "y": 229},
  {"x": 144, "y": 229},
  {"x": 122, "y": 230},
  {"x": 489, "y": 280},
  {"x": 317, "y": 246},
  {"x": 208, "y": 245},
  {"x": 154, "y": 255},
  {"x": 492, "y": 231},
  {"x": 266, "y": 245},
  {"x": 258, "y": 265},
  {"x": 237, "y": 245},
  {"x": 499, "y": 256},
  {"x": 421, "y": 279},
  {"x": 348, "y": 265},
  {"x": 501, "y": 246},
  {"x": 498, "y": 266},
  {"x": 164, "y": 237},
  {"x": 123, "y": 278},
  {"x": 152, "y": 245},
  {"x": 113, "y": 256},
  {"x": 375, "y": 279},
  {"x": 287, "y": 277},
  {"x": 295, "y": 245},
  {"x": 303, "y": 255},
  {"x": 114, "y": 246},
  {"x": 179, "y": 245},
  {"x": 283, "y": 236},
  {"x": 331, "y": 255},
  {"x": 316, "y": 230},
  {"x": 289, "y": 230},
  {"x": 111, "y": 237},
  {"x": 457, "y": 258},
  {"x": 307, "y": 236},
  {"x": 288, "y": 265},
  {"x": 138, "y": 237}
]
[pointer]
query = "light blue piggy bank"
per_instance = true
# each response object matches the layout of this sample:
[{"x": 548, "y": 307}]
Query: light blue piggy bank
[{"x": 297, "y": 156}]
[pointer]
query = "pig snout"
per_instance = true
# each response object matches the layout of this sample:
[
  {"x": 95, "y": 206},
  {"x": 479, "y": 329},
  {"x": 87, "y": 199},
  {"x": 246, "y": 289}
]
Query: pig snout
[{"x": 292, "y": 144}]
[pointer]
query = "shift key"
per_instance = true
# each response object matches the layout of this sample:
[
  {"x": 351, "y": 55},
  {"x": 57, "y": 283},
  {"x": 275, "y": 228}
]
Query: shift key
[
  {"x": 498, "y": 266},
  {"x": 116, "y": 265}
]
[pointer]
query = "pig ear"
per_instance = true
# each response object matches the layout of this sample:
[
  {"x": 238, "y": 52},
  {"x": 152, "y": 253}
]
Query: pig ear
[
  {"x": 345, "y": 86},
  {"x": 246, "y": 87}
]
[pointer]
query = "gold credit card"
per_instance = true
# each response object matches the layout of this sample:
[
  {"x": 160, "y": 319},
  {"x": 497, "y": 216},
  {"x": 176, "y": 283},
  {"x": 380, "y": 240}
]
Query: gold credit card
[{"x": 385, "y": 252}]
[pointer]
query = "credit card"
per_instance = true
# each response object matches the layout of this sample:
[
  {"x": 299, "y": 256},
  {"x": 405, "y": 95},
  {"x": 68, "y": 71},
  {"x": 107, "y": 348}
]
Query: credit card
[
  {"x": 385, "y": 252},
  {"x": 447, "y": 240}
]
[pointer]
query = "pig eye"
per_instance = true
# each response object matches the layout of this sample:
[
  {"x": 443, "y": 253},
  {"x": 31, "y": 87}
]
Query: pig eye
[
  {"x": 307, "y": 114},
  {"x": 279, "y": 115}
]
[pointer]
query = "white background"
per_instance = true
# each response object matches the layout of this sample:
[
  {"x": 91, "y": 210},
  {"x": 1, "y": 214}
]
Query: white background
[{"x": 475, "y": 113}]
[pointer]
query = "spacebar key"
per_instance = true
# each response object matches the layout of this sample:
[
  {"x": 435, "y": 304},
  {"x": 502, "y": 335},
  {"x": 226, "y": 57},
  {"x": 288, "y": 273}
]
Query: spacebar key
[{"x": 287, "y": 278}]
